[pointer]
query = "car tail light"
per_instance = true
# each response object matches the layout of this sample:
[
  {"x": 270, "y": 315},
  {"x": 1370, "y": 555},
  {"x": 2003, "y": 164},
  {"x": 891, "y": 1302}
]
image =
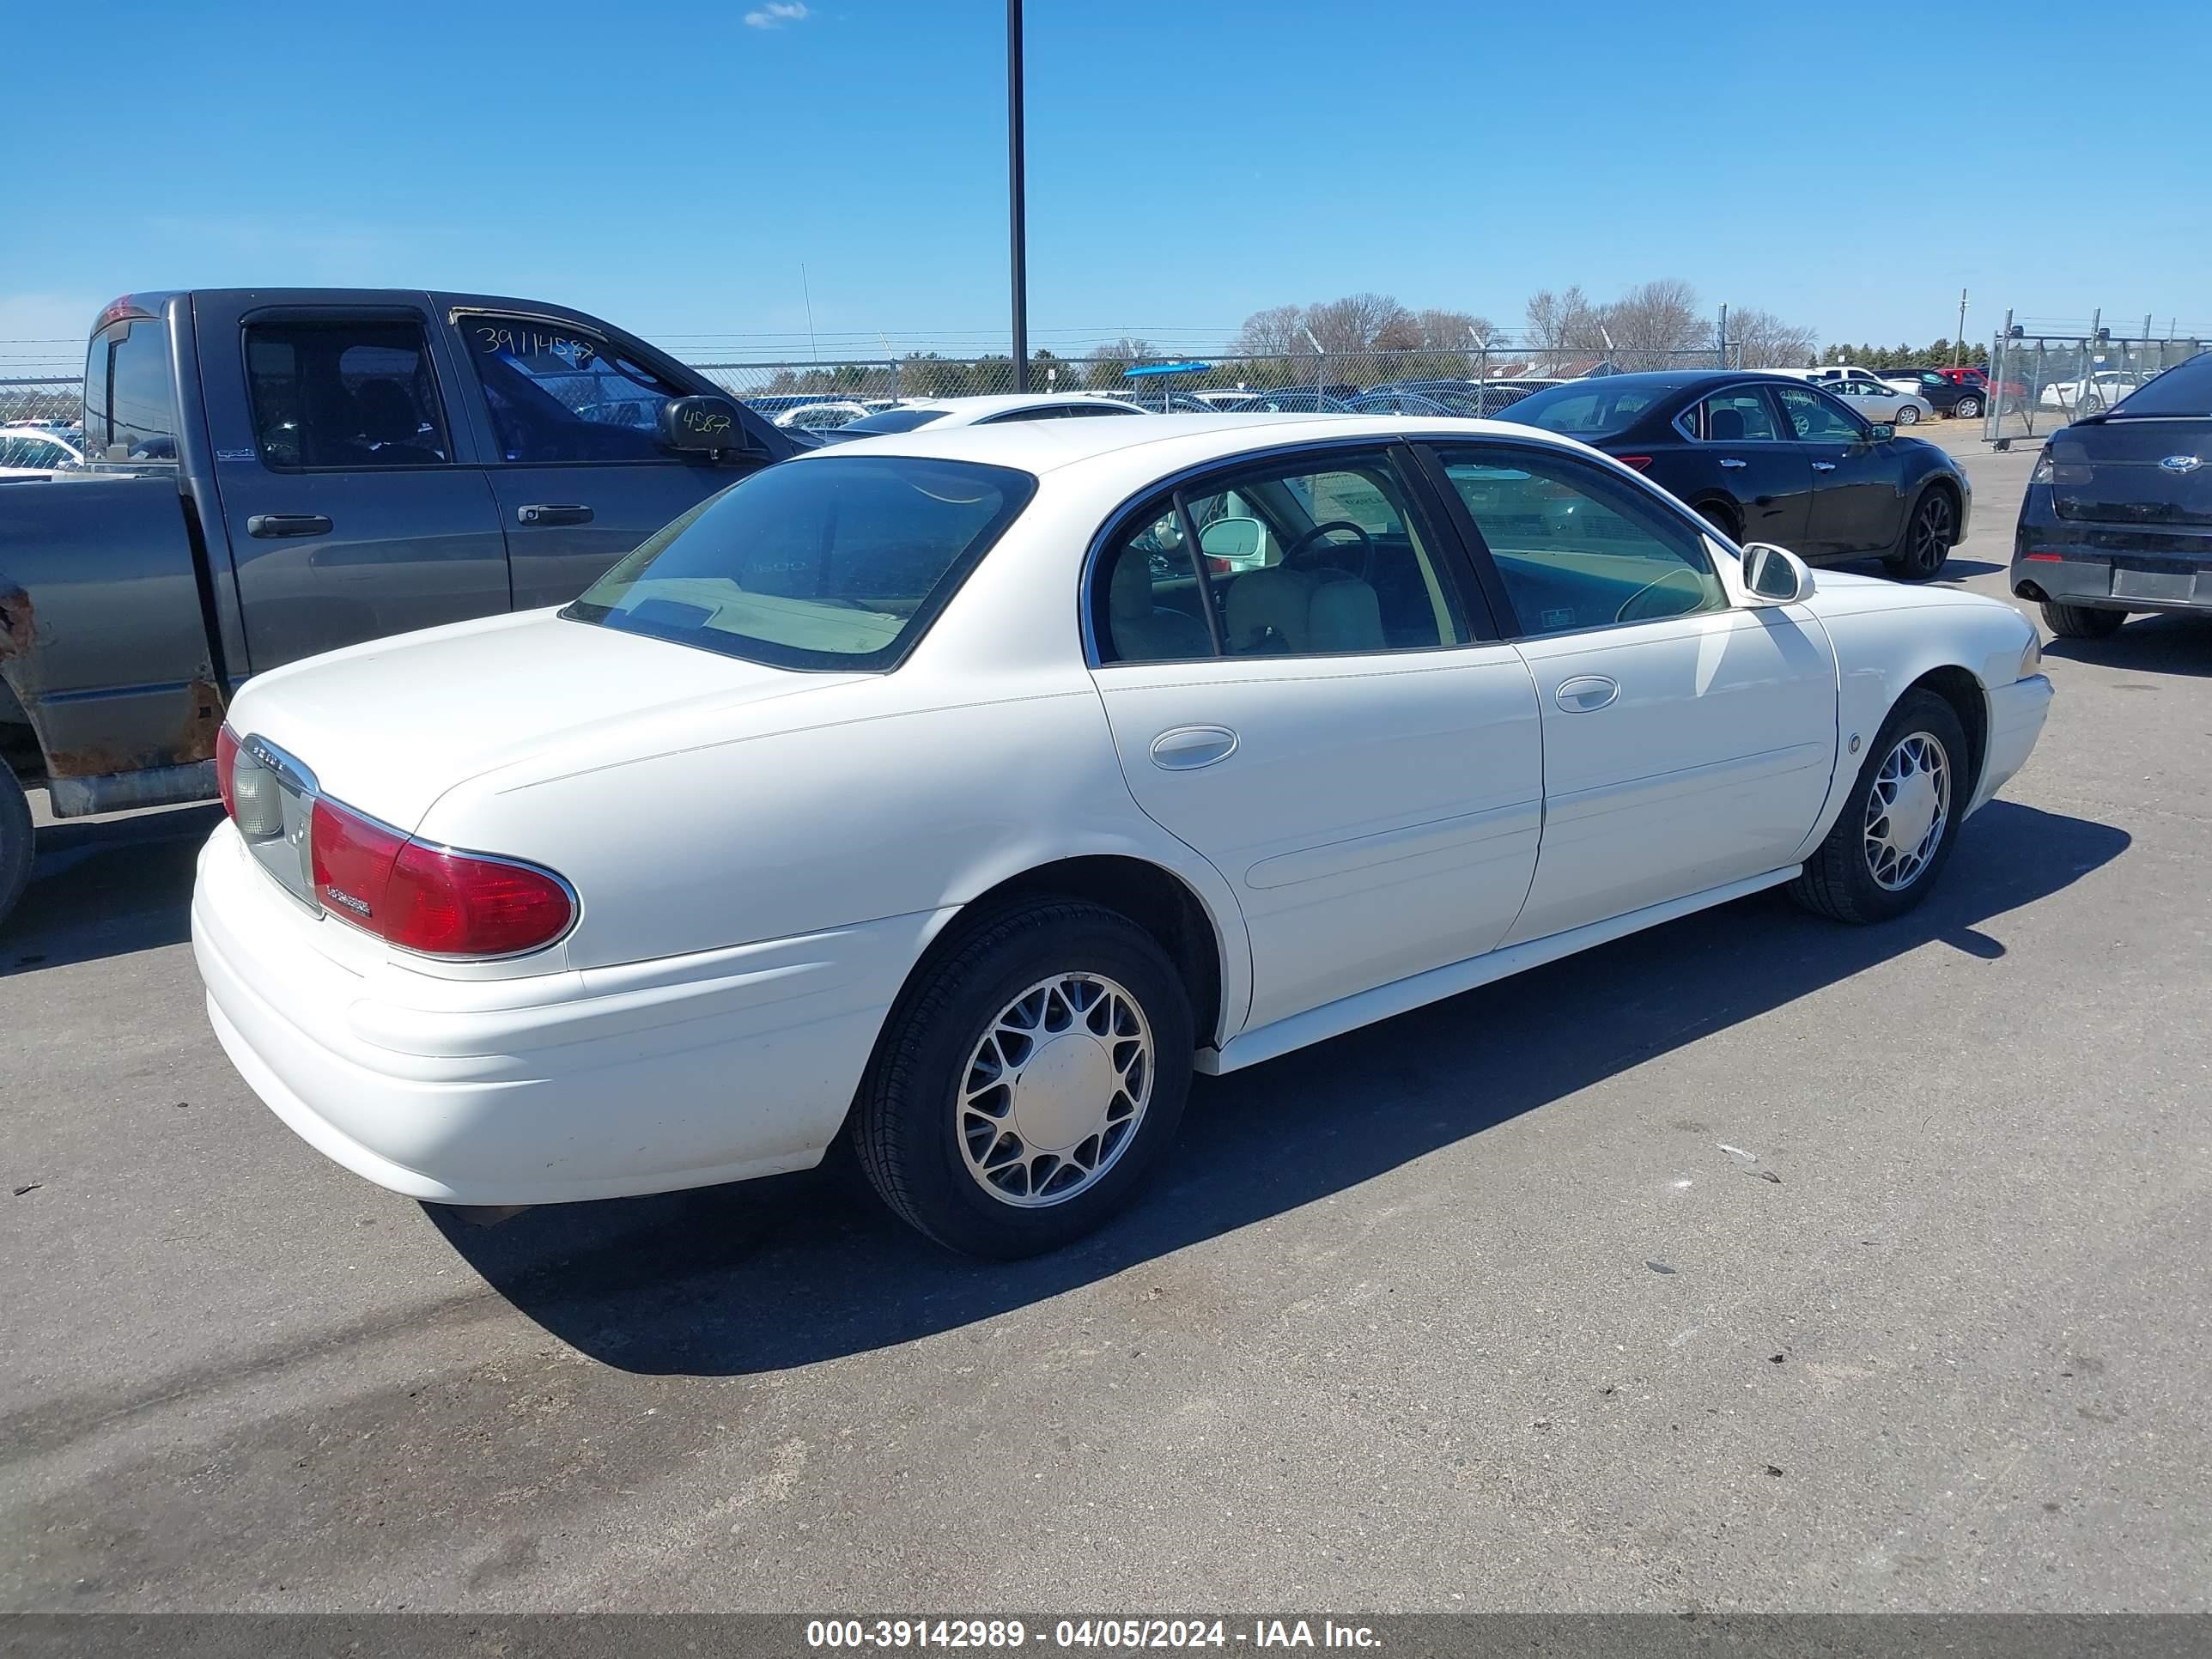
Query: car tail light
[
  {"x": 432, "y": 899},
  {"x": 226, "y": 761},
  {"x": 2046, "y": 558},
  {"x": 1641, "y": 463}
]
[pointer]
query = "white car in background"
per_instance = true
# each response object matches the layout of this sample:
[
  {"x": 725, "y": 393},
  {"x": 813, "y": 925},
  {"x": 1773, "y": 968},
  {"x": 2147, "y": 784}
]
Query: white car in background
[
  {"x": 986, "y": 410},
  {"x": 922, "y": 784},
  {"x": 1881, "y": 400},
  {"x": 30, "y": 449},
  {"x": 826, "y": 415},
  {"x": 2095, "y": 394}
]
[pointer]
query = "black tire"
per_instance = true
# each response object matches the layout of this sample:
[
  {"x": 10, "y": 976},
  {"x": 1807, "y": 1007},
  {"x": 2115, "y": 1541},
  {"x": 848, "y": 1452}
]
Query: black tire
[
  {"x": 17, "y": 837},
  {"x": 1906, "y": 416},
  {"x": 1967, "y": 407},
  {"x": 1838, "y": 879},
  {"x": 1723, "y": 518},
  {"x": 908, "y": 1121},
  {"x": 2082, "y": 622},
  {"x": 1924, "y": 546},
  {"x": 2091, "y": 405}
]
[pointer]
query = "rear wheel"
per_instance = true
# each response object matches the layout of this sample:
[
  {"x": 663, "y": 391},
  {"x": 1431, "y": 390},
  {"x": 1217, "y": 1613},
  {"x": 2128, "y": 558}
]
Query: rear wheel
[
  {"x": 2081, "y": 621},
  {"x": 1894, "y": 834},
  {"x": 1925, "y": 544},
  {"x": 1028, "y": 1080},
  {"x": 1967, "y": 408},
  {"x": 2093, "y": 405},
  {"x": 1906, "y": 416},
  {"x": 15, "y": 839},
  {"x": 1723, "y": 518}
]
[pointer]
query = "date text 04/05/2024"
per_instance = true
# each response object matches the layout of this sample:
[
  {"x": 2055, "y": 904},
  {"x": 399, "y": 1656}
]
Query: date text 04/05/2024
[{"x": 1104, "y": 1633}]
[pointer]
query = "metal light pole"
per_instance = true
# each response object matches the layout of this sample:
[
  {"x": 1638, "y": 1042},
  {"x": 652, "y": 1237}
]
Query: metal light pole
[
  {"x": 1017, "y": 211},
  {"x": 1959, "y": 345}
]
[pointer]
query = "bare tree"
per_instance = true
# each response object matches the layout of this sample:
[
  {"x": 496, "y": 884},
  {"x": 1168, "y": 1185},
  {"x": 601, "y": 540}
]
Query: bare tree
[
  {"x": 1274, "y": 332},
  {"x": 1759, "y": 339},
  {"x": 1452, "y": 330},
  {"x": 1562, "y": 324},
  {"x": 1360, "y": 322},
  {"x": 1655, "y": 323}
]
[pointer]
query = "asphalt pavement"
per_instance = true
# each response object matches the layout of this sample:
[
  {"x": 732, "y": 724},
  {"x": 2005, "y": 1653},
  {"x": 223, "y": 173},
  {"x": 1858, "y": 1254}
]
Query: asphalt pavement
[{"x": 1753, "y": 1262}]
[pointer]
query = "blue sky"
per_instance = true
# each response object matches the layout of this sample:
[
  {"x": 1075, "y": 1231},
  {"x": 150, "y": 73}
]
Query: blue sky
[{"x": 670, "y": 166}]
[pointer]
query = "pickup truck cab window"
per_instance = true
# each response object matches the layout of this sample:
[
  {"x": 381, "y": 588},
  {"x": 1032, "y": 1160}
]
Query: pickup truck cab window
[
  {"x": 129, "y": 406},
  {"x": 557, "y": 393},
  {"x": 352, "y": 393}
]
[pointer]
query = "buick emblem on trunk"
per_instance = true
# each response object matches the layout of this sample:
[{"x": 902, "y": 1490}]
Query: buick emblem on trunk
[{"x": 2181, "y": 463}]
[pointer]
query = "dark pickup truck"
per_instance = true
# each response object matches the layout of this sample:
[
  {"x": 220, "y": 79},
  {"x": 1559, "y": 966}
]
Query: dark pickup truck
[{"x": 279, "y": 471}]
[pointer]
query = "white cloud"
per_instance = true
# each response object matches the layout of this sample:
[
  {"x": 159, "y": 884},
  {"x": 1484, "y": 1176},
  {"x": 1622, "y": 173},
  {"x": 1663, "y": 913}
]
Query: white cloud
[{"x": 775, "y": 15}]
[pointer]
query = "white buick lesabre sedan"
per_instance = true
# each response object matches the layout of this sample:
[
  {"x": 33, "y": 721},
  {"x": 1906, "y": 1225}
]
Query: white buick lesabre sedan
[{"x": 966, "y": 791}]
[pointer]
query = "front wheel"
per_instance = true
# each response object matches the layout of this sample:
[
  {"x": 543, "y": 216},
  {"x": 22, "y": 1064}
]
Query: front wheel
[
  {"x": 1028, "y": 1080},
  {"x": 1906, "y": 416},
  {"x": 2081, "y": 621},
  {"x": 1967, "y": 408},
  {"x": 2091, "y": 406},
  {"x": 1925, "y": 543},
  {"x": 1894, "y": 834}
]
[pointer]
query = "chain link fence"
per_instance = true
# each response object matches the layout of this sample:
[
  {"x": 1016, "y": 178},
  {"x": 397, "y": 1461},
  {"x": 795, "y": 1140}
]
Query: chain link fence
[
  {"x": 821, "y": 392},
  {"x": 2043, "y": 374},
  {"x": 830, "y": 392},
  {"x": 42, "y": 402}
]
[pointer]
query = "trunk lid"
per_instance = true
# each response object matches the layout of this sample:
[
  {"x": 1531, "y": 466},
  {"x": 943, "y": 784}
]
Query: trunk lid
[
  {"x": 388, "y": 726},
  {"x": 2134, "y": 472}
]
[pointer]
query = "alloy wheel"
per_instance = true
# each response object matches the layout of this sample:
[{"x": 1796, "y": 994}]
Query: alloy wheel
[
  {"x": 1907, "y": 811},
  {"x": 1968, "y": 408},
  {"x": 1055, "y": 1089},
  {"x": 1931, "y": 534},
  {"x": 1908, "y": 416}
]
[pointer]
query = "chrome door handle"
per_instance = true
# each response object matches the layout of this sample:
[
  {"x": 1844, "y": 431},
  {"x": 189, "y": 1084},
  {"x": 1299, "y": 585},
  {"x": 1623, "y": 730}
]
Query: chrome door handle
[
  {"x": 1824, "y": 466},
  {"x": 1186, "y": 748},
  {"x": 1728, "y": 463},
  {"x": 1586, "y": 694}
]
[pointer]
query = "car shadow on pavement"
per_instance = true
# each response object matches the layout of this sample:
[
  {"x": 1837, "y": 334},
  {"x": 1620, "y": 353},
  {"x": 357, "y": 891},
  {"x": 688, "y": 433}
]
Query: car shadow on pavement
[
  {"x": 2152, "y": 645},
  {"x": 767, "y": 1275},
  {"x": 106, "y": 888}
]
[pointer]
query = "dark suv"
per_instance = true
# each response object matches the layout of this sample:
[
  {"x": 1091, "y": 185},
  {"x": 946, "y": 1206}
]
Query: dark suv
[{"x": 1944, "y": 395}]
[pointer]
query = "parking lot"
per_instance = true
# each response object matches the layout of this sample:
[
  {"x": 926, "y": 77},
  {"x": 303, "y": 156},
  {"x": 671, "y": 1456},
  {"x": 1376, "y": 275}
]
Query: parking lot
[{"x": 1746, "y": 1263}]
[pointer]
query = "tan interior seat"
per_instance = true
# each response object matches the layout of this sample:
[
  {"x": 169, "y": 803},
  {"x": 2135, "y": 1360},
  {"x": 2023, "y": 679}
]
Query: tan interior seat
[
  {"x": 1143, "y": 632},
  {"x": 1298, "y": 609}
]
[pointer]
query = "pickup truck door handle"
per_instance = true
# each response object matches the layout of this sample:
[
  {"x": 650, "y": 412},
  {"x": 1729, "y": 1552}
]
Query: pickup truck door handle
[
  {"x": 1586, "y": 694},
  {"x": 1732, "y": 463},
  {"x": 564, "y": 513},
  {"x": 269, "y": 525},
  {"x": 1824, "y": 466},
  {"x": 1186, "y": 748}
]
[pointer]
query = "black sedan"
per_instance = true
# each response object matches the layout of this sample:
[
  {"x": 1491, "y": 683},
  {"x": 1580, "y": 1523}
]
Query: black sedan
[
  {"x": 1768, "y": 457},
  {"x": 2118, "y": 516}
]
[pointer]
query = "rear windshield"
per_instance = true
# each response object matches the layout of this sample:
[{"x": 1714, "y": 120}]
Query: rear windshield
[
  {"x": 1588, "y": 408},
  {"x": 2183, "y": 390},
  {"x": 840, "y": 562},
  {"x": 892, "y": 420}
]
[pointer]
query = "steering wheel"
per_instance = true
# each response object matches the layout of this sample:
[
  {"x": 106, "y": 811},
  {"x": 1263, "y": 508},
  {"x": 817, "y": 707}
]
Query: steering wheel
[
  {"x": 1642, "y": 605},
  {"x": 1366, "y": 545}
]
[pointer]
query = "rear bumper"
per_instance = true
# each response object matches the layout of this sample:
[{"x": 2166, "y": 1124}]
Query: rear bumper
[
  {"x": 2110, "y": 566},
  {"x": 578, "y": 1084},
  {"x": 2016, "y": 716}
]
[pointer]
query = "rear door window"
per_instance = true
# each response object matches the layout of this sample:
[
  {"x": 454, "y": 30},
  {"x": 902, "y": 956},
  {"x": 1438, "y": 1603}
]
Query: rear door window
[
  {"x": 130, "y": 397},
  {"x": 557, "y": 393},
  {"x": 349, "y": 393},
  {"x": 1739, "y": 414}
]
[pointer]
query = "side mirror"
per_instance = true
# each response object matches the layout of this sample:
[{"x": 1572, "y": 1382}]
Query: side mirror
[
  {"x": 1775, "y": 575},
  {"x": 1236, "y": 544},
  {"x": 703, "y": 426},
  {"x": 1882, "y": 432}
]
